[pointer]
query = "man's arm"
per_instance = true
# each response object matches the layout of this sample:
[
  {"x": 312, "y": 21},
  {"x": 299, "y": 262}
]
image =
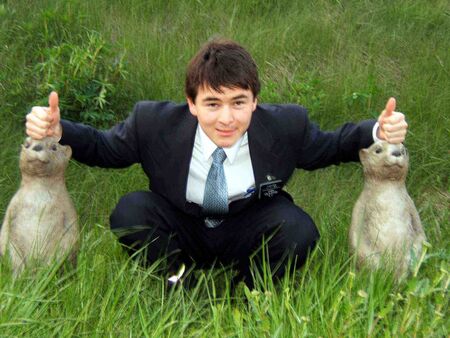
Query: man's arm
[
  {"x": 319, "y": 149},
  {"x": 113, "y": 148}
]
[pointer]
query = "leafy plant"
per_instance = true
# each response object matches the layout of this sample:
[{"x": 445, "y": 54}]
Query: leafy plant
[
  {"x": 53, "y": 50},
  {"x": 86, "y": 76}
]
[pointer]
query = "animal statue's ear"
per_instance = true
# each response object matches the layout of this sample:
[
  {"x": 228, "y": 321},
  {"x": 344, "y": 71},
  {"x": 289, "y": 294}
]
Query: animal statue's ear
[
  {"x": 26, "y": 143},
  {"x": 68, "y": 151},
  {"x": 363, "y": 153}
]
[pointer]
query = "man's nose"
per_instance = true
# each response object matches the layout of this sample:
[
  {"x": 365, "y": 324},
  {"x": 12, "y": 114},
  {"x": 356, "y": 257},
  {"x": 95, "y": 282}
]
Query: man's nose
[{"x": 226, "y": 115}]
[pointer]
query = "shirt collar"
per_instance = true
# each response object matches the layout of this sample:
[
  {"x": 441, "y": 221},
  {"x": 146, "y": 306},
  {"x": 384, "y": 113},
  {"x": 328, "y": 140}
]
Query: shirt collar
[{"x": 208, "y": 146}]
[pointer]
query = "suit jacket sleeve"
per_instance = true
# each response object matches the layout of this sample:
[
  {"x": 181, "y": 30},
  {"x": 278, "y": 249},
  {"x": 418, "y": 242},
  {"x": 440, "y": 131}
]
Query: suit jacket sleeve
[
  {"x": 117, "y": 147},
  {"x": 318, "y": 149}
]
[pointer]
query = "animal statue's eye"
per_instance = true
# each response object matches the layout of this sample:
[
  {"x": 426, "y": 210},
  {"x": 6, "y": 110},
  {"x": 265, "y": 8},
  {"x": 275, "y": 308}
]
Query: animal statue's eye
[
  {"x": 27, "y": 145},
  {"x": 54, "y": 148},
  {"x": 379, "y": 150}
]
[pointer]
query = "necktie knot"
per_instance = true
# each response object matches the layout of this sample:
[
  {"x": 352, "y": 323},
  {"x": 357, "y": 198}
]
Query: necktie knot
[{"x": 219, "y": 156}]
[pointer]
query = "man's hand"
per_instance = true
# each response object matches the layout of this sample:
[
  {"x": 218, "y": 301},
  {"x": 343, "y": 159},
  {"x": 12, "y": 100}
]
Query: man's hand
[
  {"x": 45, "y": 121},
  {"x": 393, "y": 126}
]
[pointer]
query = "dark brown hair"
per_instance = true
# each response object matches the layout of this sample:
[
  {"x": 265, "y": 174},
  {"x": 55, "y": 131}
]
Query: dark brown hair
[{"x": 221, "y": 63}]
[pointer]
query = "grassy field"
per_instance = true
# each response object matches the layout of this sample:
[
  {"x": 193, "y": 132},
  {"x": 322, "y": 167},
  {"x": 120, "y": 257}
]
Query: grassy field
[{"x": 340, "y": 59}]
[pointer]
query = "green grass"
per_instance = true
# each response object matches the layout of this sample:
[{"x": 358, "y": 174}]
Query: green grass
[{"x": 341, "y": 59}]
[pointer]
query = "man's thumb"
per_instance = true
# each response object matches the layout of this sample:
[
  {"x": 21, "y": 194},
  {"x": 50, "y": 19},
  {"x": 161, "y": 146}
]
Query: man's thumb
[
  {"x": 390, "y": 107},
  {"x": 53, "y": 103}
]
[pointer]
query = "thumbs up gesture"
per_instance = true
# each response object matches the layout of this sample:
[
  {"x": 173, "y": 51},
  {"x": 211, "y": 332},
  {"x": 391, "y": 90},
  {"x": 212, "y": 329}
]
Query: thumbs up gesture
[
  {"x": 392, "y": 124},
  {"x": 45, "y": 121}
]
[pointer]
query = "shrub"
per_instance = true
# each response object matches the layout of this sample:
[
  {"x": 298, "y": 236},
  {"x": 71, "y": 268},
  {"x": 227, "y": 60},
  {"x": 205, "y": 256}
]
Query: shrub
[
  {"x": 86, "y": 76},
  {"x": 51, "y": 49}
]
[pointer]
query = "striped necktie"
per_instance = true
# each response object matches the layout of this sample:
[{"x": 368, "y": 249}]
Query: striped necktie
[{"x": 215, "y": 200}]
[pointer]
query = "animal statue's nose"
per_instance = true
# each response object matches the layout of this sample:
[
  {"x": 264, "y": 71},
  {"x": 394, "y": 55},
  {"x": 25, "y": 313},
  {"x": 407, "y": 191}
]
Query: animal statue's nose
[
  {"x": 396, "y": 153},
  {"x": 37, "y": 147}
]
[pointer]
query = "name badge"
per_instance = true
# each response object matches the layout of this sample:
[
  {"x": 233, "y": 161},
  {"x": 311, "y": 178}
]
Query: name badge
[{"x": 270, "y": 188}]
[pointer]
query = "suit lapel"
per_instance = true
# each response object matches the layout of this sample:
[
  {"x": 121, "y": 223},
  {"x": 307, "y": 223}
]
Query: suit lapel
[
  {"x": 261, "y": 144},
  {"x": 178, "y": 147}
]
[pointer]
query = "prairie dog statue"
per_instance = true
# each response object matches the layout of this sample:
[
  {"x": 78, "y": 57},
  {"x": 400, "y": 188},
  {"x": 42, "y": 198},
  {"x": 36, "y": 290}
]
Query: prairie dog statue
[
  {"x": 385, "y": 222},
  {"x": 40, "y": 222}
]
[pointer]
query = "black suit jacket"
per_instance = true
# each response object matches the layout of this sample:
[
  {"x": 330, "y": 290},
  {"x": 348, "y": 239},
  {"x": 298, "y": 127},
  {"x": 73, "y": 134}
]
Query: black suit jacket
[{"x": 160, "y": 136}]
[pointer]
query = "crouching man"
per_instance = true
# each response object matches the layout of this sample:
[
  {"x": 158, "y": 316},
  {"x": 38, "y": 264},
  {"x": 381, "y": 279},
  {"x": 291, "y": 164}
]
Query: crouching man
[{"x": 216, "y": 165}]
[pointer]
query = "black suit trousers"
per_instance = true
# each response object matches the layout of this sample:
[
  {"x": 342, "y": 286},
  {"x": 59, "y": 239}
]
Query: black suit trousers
[{"x": 146, "y": 221}]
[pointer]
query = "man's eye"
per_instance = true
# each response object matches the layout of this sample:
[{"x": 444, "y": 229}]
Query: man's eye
[{"x": 239, "y": 103}]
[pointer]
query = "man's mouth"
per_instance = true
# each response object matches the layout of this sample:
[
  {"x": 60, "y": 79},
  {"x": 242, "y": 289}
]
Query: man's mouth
[{"x": 225, "y": 132}]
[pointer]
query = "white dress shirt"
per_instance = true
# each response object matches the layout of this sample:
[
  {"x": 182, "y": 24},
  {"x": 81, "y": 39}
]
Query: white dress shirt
[{"x": 237, "y": 167}]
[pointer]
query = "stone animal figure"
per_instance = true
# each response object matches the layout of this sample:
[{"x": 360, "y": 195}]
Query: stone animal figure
[
  {"x": 385, "y": 222},
  {"x": 40, "y": 223}
]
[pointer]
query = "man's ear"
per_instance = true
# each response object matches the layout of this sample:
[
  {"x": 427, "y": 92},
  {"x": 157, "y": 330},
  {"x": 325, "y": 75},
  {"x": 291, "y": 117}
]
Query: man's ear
[
  {"x": 192, "y": 107},
  {"x": 255, "y": 103}
]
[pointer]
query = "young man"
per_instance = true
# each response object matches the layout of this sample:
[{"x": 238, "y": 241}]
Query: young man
[{"x": 216, "y": 165}]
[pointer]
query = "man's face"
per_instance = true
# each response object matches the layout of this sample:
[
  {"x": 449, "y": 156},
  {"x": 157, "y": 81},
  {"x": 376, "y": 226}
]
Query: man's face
[{"x": 225, "y": 116}]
